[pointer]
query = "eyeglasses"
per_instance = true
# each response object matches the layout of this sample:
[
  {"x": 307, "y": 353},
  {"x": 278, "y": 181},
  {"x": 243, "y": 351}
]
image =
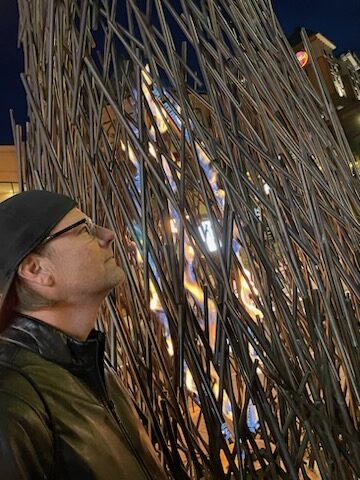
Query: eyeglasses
[{"x": 87, "y": 222}]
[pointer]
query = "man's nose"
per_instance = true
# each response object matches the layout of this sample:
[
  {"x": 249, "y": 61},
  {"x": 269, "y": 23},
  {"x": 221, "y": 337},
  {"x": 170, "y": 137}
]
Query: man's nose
[{"x": 105, "y": 236}]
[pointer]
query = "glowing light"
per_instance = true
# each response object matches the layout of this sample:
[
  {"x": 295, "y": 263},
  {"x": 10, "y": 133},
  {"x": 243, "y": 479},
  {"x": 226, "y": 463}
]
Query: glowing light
[
  {"x": 131, "y": 154},
  {"x": 158, "y": 112},
  {"x": 246, "y": 295},
  {"x": 168, "y": 173},
  {"x": 207, "y": 235},
  {"x": 204, "y": 159},
  {"x": 152, "y": 151},
  {"x": 189, "y": 381},
  {"x": 189, "y": 252},
  {"x": 155, "y": 304},
  {"x": 173, "y": 226},
  {"x": 267, "y": 189},
  {"x": 303, "y": 57},
  {"x": 170, "y": 346}
]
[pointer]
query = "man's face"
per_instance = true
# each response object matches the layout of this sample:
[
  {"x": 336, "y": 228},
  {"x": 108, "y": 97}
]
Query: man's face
[{"x": 83, "y": 265}]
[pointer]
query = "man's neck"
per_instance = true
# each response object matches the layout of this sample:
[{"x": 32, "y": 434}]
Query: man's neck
[{"x": 75, "y": 322}]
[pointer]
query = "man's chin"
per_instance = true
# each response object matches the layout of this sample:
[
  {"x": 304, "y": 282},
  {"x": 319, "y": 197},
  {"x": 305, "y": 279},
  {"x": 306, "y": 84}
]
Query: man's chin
[
  {"x": 118, "y": 277},
  {"x": 115, "y": 278}
]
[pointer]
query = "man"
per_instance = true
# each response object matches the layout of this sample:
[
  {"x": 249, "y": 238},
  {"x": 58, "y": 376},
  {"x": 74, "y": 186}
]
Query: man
[{"x": 62, "y": 414}]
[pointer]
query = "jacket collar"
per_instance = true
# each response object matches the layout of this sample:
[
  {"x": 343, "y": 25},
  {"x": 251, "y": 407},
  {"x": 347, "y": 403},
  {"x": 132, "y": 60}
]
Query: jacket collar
[{"x": 54, "y": 345}]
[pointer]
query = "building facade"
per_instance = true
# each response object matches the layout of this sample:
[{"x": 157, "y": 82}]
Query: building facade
[
  {"x": 8, "y": 172},
  {"x": 341, "y": 77}
]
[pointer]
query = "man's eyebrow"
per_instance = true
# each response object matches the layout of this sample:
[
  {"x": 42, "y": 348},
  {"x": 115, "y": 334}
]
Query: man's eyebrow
[
  {"x": 82, "y": 225},
  {"x": 79, "y": 228}
]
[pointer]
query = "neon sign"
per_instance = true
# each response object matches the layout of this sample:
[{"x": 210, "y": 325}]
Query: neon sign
[{"x": 303, "y": 57}]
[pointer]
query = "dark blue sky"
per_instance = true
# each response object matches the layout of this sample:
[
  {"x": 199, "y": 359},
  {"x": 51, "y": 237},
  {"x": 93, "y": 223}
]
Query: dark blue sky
[{"x": 339, "y": 21}]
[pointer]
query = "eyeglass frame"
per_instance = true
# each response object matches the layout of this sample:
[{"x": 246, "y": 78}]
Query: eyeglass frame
[{"x": 87, "y": 221}]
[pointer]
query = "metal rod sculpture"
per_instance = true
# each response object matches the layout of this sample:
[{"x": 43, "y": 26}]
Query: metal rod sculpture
[{"x": 190, "y": 130}]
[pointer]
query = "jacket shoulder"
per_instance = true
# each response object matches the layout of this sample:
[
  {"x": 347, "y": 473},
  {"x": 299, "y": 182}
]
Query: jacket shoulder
[
  {"x": 17, "y": 389},
  {"x": 25, "y": 435},
  {"x": 18, "y": 397}
]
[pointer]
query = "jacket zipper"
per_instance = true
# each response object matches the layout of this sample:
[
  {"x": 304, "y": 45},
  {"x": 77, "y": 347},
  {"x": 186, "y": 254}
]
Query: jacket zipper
[
  {"x": 125, "y": 433},
  {"x": 109, "y": 405}
]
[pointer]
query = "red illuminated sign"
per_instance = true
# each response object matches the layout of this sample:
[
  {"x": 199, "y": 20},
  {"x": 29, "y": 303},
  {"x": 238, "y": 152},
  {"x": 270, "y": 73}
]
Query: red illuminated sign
[{"x": 303, "y": 58}]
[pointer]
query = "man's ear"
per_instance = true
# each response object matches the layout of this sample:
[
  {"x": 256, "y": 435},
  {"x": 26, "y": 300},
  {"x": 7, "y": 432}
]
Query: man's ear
[{"x": 36, "y": 269}]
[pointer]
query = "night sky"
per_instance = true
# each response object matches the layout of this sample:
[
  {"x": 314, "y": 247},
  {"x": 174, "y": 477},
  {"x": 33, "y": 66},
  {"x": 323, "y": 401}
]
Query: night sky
[{"x": 339, "y": 21}]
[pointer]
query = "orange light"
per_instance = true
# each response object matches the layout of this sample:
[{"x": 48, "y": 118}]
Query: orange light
[{"x": 246, "y": 295}]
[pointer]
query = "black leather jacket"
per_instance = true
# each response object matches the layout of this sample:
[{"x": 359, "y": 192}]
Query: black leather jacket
[{"x": 62, "y": 414}]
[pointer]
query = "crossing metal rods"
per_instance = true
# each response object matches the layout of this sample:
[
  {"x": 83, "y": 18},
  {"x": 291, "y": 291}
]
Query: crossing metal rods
[{"x": 189, "y": 128}]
